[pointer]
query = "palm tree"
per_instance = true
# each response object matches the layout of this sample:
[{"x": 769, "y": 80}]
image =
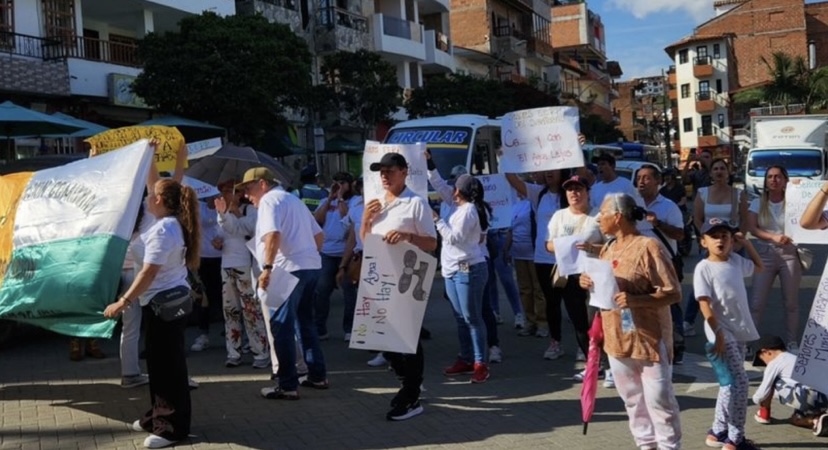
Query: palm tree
[{"x": 791, "y": 81}]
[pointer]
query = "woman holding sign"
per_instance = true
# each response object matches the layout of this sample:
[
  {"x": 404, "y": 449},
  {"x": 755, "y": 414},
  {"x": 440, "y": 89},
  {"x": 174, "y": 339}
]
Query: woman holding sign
[
  {"x": 766, "y": 221},
  {"x": 638, "y": 332}
]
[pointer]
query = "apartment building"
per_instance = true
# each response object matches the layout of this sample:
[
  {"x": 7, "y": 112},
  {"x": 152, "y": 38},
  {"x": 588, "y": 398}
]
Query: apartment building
[{"x": 639, "y": 110}]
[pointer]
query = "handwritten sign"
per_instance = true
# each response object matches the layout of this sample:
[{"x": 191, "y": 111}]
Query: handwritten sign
[
  {"x": 540, "y": 139},
  {"x": 170, "y": 140},
  {"x": 394, "y": 286},
  {"x": 797, "y": 197},
  {"x": 200, "y": 149},
  {"x": 499, "y": 195},
  {"x": 812, "y": 361},
  {"x": 414, "y": 154}
]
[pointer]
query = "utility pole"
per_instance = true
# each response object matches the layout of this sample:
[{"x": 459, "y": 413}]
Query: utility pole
[{"x": 666, "y": 103}]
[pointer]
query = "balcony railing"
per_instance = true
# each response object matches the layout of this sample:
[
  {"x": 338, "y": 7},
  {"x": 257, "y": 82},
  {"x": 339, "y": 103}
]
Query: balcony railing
[
  {"x": 779, "y": 110},
  {"x": 92, "y": 49},
  {"x": 709, "y": 130},
  {"x": 394, "y": 26},
  {"x": 333, "y": 16},
  {"x": 702, "y": 61},
  {"x": 31, "y": 46}
]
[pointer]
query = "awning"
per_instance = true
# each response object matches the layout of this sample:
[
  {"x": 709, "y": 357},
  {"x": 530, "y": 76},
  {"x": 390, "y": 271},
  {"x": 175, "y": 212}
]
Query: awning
[{"x": 340, "y": 144}]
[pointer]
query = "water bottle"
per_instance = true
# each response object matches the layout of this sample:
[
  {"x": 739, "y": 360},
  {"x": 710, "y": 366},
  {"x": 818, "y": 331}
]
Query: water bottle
[{"x": 627, "y": 323}]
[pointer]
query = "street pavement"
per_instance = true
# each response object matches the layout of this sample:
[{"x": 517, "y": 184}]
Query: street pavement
[{"x": 49, "y": 402}]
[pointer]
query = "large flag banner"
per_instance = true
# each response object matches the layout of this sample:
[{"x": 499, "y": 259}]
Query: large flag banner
[
  {"x": 169, "y": 141},
  {"x": 540, "y": 139},
  {"x": 499, "y": 195},
  {"x": 394, "y": 285},
  {"x": 812, "y": 360},
  {"x": 63, "y": 237},
  {"x": 414, "y": 154},
  {"x": 797, "y": 197}
]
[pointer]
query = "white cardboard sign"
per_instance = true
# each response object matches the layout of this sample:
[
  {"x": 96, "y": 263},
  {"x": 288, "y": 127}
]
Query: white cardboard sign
[
  {"x": 812, "y": 361},
  {"x": 394, "y": 286},
  {"x": 414, "y": 154},
  {"x": 499, "y": 194},
  {"x": 540, "y": 139},
  {"x": 797, "y": 197}
]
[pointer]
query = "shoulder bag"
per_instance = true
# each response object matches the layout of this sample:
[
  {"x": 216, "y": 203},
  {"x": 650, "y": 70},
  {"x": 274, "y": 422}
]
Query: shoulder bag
[{"x": 172, "y": 304}]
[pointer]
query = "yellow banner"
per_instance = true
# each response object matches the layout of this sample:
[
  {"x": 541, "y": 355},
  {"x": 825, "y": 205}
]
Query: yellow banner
[
  {"x": 169, "y": 141},
  {"x": 11, "y": 189}
]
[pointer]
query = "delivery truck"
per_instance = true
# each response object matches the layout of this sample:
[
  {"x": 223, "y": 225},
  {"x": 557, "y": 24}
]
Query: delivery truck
[{"x": 796, "y": 143}]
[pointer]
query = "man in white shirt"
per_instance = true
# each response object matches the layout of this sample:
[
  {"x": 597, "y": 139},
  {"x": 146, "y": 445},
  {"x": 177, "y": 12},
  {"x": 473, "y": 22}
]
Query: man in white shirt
[
  {"x": 608, "y": 181},
  {"x": 401, "y": 215},
  {"x": 287, "y": 236}
]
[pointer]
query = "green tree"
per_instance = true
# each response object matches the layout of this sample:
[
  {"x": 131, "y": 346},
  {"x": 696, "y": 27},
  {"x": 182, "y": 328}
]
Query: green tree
[
  {"x": 239, "y": 72},
  {"x": 360, "y": 85},
  {"x": 598, "y": 131},
  {"x": 791, "y": 82}
]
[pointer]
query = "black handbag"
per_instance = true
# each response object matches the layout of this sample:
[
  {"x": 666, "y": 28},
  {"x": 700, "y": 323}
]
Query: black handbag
[{"x": 172, "y": 304}]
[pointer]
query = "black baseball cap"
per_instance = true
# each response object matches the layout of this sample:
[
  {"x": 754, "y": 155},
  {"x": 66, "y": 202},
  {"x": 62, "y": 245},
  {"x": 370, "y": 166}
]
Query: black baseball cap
[
  {"x": 604, "y": 157},
  {"x": 766, "y": 343},
  {"x": 715, "y": 223},
  {"x": 389, "y": 160}
]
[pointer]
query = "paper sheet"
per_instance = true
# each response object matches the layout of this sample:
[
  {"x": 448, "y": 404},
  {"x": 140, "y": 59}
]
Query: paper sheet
[
  {"x": 570, "y": 260},
  {"x": 282, "y": 284},
  {"x": 604, "y": 285}
]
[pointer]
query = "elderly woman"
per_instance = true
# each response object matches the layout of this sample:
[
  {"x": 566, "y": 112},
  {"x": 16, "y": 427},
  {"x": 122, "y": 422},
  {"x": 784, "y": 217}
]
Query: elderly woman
[{"x": 638, "y": 335}]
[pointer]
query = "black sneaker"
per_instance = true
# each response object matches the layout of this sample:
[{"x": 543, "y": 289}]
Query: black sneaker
[
  {"x": 821, "y": 426},
  {"x": 404, "y": 411}
]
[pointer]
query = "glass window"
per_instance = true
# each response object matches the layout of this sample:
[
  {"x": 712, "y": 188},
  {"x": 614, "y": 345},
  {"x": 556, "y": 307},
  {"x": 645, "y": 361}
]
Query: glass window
[
  {"x": 683, "y": 56},
  {"x": 719, "y": 86},
  {"x": 701, "y": 51},
  {"x": 721, "y": 121},
  {"x": 799, "y": 163},
  {"x": 59, "y": 20},
  {"x": 716, "y": 51},
  {"x": 687, "y": 125},
  {"x": 685, "y": 90}
]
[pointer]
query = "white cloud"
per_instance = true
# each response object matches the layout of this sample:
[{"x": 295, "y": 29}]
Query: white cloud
[{"x": 700, "y": 10}]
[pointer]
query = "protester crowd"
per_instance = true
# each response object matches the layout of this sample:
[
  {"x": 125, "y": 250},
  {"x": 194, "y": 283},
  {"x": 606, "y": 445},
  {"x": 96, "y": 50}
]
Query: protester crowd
[{"x": 316, "y": 234}]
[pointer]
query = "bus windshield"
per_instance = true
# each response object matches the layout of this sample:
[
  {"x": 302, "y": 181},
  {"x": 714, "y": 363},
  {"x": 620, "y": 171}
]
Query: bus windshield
[
  {"x": 449, "y": 145},
  {"x": 799, "y": 163}
]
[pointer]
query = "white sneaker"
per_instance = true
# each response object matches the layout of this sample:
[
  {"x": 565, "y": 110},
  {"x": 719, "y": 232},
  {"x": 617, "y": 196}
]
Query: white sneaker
[
  {"x": 520, "y": 321},
  {"x": 579, "y": 356},
  {"x": 132, "y": 381},
  {"x": 793, "y": 347},
  {"x": 378, "y": 361},
  {"x": 689, "y": 329},
  {"x": 200, "y": 343},
  {"x": 155, "y": 441},
  {"x": 609, "y": 380},
  {"x": 193, "y": 383},
  {"x": 495, "y": 354},
  {"x": 542, "y": 332},
  {"x": 136, "y": 426},
  {"x": 554, "y": 351}
]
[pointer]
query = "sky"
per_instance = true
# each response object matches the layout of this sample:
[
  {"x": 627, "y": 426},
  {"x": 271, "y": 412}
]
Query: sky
[{"x": 638, "y": 30}]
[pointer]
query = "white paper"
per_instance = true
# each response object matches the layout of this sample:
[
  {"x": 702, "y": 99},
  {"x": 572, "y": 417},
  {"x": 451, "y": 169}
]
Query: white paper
[
  {"x": 282, "y": 284},
  {"x": 797, "y": 198},
  {"x": 200, "y": 149},
  {"x": 570, "y": 260},
  {"x": 499, "y": 195},
  {"x": 812, "y": 360},
  {"x": 540, "y": 139},
  {"x": 604, "y": 286}
]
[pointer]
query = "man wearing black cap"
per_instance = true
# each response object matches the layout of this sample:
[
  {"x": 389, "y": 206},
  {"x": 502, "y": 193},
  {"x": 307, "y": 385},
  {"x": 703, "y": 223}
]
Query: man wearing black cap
[
  {"x": 400, "y": 215},
  {"x": 809, "y": 404},
  {"x": 608, "y": 181}
]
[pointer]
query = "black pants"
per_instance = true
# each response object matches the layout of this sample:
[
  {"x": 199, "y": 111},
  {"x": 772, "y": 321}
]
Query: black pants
[
  {"x": 170, "y": 414},
  {"x": 210, "y": 273},
  {"x": 575, "y": 301},
  {"x": 410, "y": 369}
]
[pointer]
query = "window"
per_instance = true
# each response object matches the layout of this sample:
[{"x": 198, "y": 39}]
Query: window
[
  {"x": 704, "y": 86},
  {"x": 721, "y": 121},
  {"x": 683, "y": 56},
  {"x": 6, "y": 23},
  {"x": 716, "y": 51},
  {"x": 701, "y": 51},
  {"x": 719, "y": 86},
  {"x": 687, "y": 125},
  {"x": 685, "y": 90},
  {"x": 59, "y": 20}
]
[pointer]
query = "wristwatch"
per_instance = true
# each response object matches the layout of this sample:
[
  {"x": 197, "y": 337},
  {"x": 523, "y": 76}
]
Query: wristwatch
[{"x": 267, "y": 267}]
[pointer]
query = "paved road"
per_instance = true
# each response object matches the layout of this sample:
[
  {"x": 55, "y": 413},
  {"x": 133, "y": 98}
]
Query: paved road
[{"x": 48, "y": 402}]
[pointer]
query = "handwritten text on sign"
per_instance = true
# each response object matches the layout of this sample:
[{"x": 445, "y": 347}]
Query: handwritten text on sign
[
  {"x": 414, "y": 154},
  {"x": 170, "y": 140},
  {"x": 540, "y": 139},
  {"x": 812, "y": 361},
  {"x": 797, "y": 197},
  {"x": 498, "y": 193},
  {"x": 394, "y": 286}
]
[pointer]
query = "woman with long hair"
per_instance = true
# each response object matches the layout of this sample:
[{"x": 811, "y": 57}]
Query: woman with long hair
[
  {"x": 766, "y": 221},
  {"x": 465, "y": 271},
  {"x": 638, "y": 333},
  {"x": 168, "y": 248}
]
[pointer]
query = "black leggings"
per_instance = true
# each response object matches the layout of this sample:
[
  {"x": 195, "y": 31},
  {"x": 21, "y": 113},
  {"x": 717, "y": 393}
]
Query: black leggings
[{"x": 575, "y": 301}]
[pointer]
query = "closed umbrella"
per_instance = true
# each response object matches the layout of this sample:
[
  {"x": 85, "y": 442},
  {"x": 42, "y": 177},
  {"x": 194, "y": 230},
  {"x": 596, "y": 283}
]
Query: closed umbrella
[
  {"x": 231, "y": 161},
  {"x": 590, "y": 387}
]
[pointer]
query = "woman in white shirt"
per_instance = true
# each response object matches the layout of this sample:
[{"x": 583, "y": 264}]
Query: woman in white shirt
[
  {"x": 465, "y": 274},
  {"x": 766, "y": 221},
  {"x": 167, "y": 249}
]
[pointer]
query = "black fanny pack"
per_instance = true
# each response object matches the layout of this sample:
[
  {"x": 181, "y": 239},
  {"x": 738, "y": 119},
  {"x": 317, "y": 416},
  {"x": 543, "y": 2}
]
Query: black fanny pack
[{"x": 172, "y": 304}]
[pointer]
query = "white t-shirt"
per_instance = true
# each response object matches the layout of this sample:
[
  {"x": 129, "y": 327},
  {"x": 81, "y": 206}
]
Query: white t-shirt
[
  {"x": 408, "y": 213},
  {"x": 334, "y": 229},
  {"x": 461, "y": 239},
  {"x": 776, "y": 224},
  {"x": 237, "y": 231},
  {"x": 135, "y": 250},
  {"x": 544, "y": 209},
  {"x": 781, "y": 367},
  {"x": 723, "y": 283},
  {"x": 666, "y": 211},
  {"x": 209, "y": 230},
  {"x": 600, "y": 190},
  {"x": 567, "y": 223},
  {"x": 163, "y": 245},
  {"x": 522, "y": 248},
  {"x": 284, "y": 213}
]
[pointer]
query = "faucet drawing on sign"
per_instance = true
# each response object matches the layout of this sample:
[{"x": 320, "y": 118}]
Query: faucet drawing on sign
[{"x": 409, "y": 271}]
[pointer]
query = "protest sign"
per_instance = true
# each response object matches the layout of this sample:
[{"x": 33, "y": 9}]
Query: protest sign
[
  {"x": 394, "y": 286},
  {"x": 414, "y": 154},
  {"x": 498, "y": 194},
  {"x": 169, "y": 141},
  {"x": 200, "y": 149},
  {"x": 797, "y": 197},
  {"x": 540, "y": 139},
  {"x": 812, "y": 360}
]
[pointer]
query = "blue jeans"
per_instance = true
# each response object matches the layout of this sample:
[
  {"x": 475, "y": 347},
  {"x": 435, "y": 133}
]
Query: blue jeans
[
  {"x": 501, "y": 270},
  {"x": 324, "y": 288},
  {"x": 298, "y": 311},
  {"x": 465, "y": 292},
  {"x": 349, "y": 296}
]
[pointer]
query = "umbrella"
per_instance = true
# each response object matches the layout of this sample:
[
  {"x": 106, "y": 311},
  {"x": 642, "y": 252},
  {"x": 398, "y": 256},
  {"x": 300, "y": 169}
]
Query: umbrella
[
  {"x": 230, "y": 162},
  {"x": 590, "y": 386},
  {"x": 191, "y": 129},
  {"x": 88, "y": 128},
  {"x": 17, "y": 121}
]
